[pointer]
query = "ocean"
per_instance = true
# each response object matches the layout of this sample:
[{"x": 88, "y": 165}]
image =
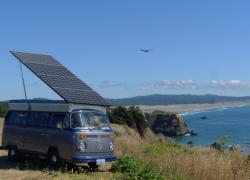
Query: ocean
[{"x": 233, "y": 122}]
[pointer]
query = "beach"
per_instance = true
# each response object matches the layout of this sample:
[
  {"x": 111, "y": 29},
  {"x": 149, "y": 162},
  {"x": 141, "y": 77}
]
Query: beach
[{"x": 183, "y": 108}]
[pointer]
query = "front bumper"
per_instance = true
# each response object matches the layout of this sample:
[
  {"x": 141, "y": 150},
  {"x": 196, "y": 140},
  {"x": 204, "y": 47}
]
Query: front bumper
[{"x": 88, "y": 159}]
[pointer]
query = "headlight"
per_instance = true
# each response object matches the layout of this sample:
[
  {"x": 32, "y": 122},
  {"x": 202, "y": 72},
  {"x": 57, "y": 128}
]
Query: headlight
[
  {"x": 111, "y": 146},
  {"x": 82, "y": 146}
]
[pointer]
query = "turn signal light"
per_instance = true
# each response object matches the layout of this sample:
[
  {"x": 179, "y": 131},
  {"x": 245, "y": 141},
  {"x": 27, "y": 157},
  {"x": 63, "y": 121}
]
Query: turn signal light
[
  {"x": 82, "y": 136},
  {"x": 110, "y": 136}
]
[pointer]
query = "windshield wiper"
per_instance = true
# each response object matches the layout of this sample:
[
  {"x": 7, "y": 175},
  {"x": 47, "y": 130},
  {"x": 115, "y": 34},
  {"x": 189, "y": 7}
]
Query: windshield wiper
[
  {"x": 91, "y": 127},
  {"x": 105, "y": 128}
]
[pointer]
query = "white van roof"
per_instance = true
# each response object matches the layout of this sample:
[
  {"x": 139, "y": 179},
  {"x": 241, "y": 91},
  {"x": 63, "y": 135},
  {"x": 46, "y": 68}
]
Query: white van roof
[{"x": 50, "y": 106}]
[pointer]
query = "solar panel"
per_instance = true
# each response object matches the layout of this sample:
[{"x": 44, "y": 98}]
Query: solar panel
[{"x": 60, "y": 79}]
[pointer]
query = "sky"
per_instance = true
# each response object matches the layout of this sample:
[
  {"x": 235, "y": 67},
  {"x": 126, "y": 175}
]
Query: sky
[{"x": 197, "y": 46}]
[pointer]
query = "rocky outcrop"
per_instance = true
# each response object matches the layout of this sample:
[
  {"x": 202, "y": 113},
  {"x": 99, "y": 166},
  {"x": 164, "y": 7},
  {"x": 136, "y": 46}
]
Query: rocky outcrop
[
  {"x": 193, "y": 133},
  {"x": 168, "y": 124},
  {"x": 216, "y": 146}
]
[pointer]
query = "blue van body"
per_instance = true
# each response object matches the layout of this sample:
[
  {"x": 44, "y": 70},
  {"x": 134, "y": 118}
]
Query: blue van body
[{"x": 60, "y": 131}]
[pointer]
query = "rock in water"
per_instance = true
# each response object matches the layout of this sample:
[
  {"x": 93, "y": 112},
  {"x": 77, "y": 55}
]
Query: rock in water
[
  {"x": 193, "y": 133},
  {"x": 216, "y": 146},
  {"x": 168, "y": 124}
]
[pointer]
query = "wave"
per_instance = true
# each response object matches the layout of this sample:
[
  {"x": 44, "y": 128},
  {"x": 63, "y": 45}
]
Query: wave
[
  {"x": 204, "y": 111},
  {"x": 191, "y": 113},
  {"x": 186, "y": 113}
]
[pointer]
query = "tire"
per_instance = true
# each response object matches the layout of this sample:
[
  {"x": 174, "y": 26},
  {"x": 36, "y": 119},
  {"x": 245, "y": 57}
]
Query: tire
[
  {"x": 55, "y": 161},
  {"x": 13, "y": 154},
  {"x": 93, "y": 166}
]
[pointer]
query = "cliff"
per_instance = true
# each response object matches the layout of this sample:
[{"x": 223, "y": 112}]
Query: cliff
[{"x": 168, "y": 124}]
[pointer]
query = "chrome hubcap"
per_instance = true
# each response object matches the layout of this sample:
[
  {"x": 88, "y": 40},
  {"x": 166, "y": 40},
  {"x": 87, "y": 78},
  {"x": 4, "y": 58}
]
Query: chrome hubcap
[
  {"x": 54, "y": 159},
  {"x": 12, "y": 152}
]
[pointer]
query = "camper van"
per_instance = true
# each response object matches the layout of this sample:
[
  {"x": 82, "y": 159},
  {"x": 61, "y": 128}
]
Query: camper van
[
  {"x": 74, "y": 129},
  {"x": 60, "y": 131}
]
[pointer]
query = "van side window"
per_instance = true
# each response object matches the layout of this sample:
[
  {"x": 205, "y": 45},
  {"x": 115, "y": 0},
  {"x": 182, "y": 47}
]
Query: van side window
[
  {"x": 17, "y": 118},
  {"x": 57, "y": 121},
  {"x": 39, "y": 119}
]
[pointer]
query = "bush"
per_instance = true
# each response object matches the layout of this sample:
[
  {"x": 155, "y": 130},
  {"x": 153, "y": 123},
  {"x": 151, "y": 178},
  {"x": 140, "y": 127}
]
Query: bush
[
  {"x": 139, "y": 119},
  {"x": 3, "y": 109},
  {"x": 135, "y": 170},
  {"x": 133, "y": 117},
  {"x": 121, "y": 115}
]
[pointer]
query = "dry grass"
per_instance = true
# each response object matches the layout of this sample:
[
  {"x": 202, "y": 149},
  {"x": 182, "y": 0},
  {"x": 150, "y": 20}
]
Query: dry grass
[
  {"x": 175, "y": 161},
  {"x": 186, "y": 163}
]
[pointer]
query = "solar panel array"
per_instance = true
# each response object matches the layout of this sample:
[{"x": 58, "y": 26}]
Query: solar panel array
[{"x": 60, "y": 79}]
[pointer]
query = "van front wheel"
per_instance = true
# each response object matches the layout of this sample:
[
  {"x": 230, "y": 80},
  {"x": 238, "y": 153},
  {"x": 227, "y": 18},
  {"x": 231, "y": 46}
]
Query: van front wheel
[
  {"x": 54, "y": 159},
  {"x": 13, "y": 154},
  {"x": 93, "y": 166}
]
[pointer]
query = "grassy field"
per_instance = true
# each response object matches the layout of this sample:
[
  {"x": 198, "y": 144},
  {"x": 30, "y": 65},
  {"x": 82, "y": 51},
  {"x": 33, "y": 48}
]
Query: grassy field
[{"x": 174, "y": 161}]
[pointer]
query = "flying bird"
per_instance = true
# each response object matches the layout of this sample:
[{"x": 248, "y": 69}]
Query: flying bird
[{"x": 146, "y": 50}]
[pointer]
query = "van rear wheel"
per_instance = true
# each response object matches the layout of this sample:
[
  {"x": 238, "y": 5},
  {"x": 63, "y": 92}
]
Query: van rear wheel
[
  {"x": 13, "y": 154},
  {"x": 55, "y": 161}
]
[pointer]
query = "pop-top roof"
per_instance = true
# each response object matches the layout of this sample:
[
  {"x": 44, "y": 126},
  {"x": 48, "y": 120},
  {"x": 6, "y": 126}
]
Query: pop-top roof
[
  {"x": 60, "y": 79},
  {"x": 50, "y": 106}
]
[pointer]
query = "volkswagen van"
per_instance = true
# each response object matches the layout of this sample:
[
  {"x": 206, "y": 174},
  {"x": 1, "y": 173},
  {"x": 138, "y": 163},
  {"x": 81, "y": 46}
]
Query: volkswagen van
[{"x": 60, "y": 131}]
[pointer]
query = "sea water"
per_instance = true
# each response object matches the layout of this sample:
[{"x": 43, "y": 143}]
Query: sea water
[{"x": 232, "y": 122}]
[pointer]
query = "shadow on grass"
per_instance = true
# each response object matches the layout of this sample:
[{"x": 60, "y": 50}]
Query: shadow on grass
[{"x": 38, "y": 164}]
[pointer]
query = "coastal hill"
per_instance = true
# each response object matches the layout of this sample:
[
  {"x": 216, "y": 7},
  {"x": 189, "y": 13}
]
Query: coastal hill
[
  {"x": 152, "y": 156},
  {"x": 157, "y": 99}
]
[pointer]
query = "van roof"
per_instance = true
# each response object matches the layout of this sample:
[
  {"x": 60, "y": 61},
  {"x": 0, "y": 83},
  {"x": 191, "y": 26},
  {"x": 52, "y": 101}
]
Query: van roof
[
  {"x": 43, "y": 101},
  {"x": 50, "y": 106}
]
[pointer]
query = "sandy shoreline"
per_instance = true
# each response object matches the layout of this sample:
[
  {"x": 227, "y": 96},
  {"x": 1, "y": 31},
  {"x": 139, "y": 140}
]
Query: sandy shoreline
[{"x": 184, "y": 108}]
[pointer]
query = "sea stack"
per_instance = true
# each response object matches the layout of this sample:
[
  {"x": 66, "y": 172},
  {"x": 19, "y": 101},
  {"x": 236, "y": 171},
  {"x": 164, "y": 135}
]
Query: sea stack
[{"x": 168, "y": 124}]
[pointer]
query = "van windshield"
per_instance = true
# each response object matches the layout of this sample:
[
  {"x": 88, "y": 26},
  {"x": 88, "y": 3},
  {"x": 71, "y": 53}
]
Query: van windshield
[{"x": 90, "y": 120}]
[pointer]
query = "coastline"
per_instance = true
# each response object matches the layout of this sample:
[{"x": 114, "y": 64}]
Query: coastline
[{"x": 189, "y": 108}]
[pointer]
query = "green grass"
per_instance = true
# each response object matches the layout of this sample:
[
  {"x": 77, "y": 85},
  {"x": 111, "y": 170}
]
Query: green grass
[{"x": 158, "y": 149}]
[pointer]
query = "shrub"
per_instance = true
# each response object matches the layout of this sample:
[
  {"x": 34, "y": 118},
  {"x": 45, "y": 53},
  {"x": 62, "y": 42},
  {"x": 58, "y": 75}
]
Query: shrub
[
  {"x": 135, "y": 170},
  {"x": 139, "y": 119},
  {"x": 223, "y": 140},
  {"x": 121, "y": 115},
  {"x": 3, "y": 109},
  {"x": 133, "y": 117}
]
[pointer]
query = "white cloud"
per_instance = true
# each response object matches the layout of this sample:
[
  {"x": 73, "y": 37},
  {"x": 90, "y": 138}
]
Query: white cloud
[
  {"x": 192, "y": 85},
  {"x": 232, "y": 84},
  {"x": 236, "y": 82},
  {"x": 108, "y": 84},
  {"x": 168, "y": 84}
]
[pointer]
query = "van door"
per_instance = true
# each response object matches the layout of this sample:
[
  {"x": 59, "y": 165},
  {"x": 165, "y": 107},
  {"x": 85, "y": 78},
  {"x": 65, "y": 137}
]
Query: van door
[
  {"x": 58, "y": 136},
  {"x": 35, "y": 134}
]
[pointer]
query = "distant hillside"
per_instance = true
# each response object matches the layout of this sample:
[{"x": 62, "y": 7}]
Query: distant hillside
[{"x": 157, "y": 99}]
